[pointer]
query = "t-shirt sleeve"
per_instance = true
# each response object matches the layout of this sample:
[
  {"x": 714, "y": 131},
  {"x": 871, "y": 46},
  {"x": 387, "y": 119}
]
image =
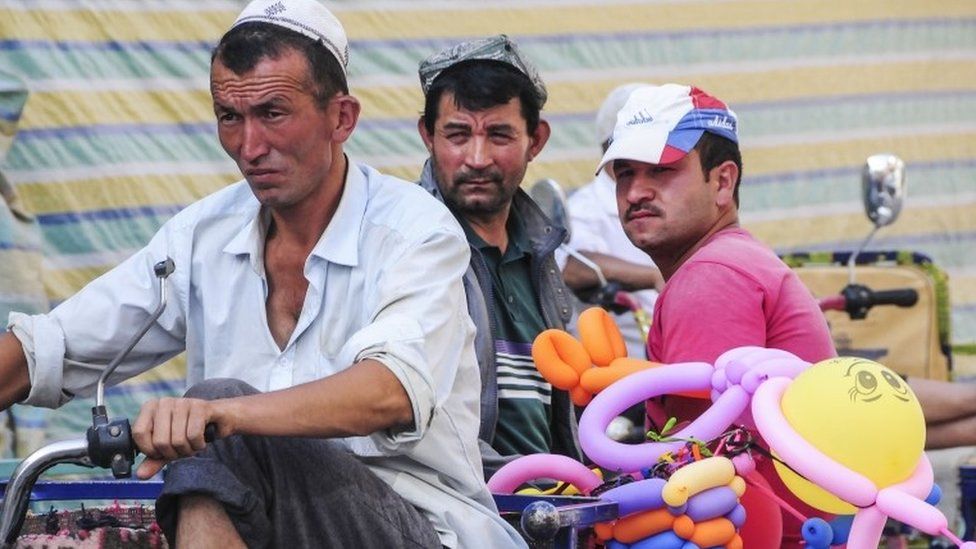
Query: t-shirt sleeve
[{"x": 710, "y": 308}]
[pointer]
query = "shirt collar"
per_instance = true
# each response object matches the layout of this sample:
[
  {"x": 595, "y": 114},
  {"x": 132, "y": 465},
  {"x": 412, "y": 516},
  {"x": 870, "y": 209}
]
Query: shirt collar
[
  {"x": 338, "y": 244},
  {"x": 518, "y": 238},
  {"x": 340, "y": 241},
  {"x": 249, "y": 240}
]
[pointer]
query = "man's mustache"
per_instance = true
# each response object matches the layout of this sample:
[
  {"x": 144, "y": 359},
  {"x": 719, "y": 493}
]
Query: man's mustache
[
  {"x": 644, "y": 207},
  {"x": 493, "y": 176}
]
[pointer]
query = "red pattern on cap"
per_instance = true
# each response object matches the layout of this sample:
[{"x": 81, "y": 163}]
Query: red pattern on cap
[
  {"x": 671, "y": 154},
  {"x": 702, "y": 100}
]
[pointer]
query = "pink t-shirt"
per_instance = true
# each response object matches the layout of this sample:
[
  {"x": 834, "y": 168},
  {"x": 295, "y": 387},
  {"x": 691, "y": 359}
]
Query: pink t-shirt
[{"x": 734, "y": 292}]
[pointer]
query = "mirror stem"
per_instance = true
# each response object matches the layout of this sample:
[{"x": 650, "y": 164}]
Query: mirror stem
[
  {"x": 852, "y": 261},
  {"x": 585, "y": 261}
]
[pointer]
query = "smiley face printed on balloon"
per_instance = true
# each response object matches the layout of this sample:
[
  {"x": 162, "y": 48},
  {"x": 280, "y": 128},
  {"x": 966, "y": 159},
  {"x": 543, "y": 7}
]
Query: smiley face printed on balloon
[
  {"x": 871, "y": 381},
  {"x": 863, "y": 416}
]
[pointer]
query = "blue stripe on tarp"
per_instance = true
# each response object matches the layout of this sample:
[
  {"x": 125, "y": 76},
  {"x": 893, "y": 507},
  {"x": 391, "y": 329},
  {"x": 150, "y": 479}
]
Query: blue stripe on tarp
[
  {"x": 103, "y": 130},
  {"x": 113, "y": 214},
  {"x": 110, "y": 45},
  {"x": 13, "y": 246},
  {"x": 11, "y": 116},
  {"x": 906, "y": 242},
  {"x": 844, "y": 171}
]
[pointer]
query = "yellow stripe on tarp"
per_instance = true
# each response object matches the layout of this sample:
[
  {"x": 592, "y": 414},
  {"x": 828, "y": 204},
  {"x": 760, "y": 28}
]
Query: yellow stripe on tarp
[
  {"x": 90, "y": 25},
  {"x": 554, "y": 19},
  {"x": 735, "y": 86},
  {"x": 121, "y": 192},
  {"x": 20, "y": 272},
  {"x": 425, "y": 23},
  {"x": 804, "y": 231},
  {"x": 173, "y": 369},
  {"x": 841, "y": 153},
  {"x": 60, "y": 284},
  {"x": 86, "y": 108},
  {"x": 7, "y": 130},
  {"x": 581, "y": 95}
]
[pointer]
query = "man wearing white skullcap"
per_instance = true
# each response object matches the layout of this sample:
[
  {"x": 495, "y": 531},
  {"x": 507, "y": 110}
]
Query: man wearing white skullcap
[{"x": 321, "y": 309}]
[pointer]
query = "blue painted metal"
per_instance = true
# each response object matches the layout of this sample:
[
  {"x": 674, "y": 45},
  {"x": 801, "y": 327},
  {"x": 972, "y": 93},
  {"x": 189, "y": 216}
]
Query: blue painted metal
[{"x": 71, "y": 490}]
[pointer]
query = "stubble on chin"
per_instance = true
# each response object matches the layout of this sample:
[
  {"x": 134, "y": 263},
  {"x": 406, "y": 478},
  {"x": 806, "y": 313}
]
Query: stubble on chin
[{"x": 639, "y": 238}]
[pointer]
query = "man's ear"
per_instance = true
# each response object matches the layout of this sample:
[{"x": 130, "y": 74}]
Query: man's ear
[
  {"x": 426, "y": 137},
  {"x": 726, "y": 174},
  {"x": 539, "y": 138},
  {"x": 349, "y": 109}
]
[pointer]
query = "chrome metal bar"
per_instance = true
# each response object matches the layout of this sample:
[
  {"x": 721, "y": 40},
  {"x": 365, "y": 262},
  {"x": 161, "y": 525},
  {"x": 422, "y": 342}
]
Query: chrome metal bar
[
  {"x": 852, "y": 260},
  {"x": 585, "y": 261},
  {"x": 17, "y": 495},
  {"x": 162, "y": 269}
]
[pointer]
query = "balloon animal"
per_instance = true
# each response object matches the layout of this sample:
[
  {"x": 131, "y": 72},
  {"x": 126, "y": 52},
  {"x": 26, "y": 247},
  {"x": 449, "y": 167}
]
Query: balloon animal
[{"x": 848, "y": 433}]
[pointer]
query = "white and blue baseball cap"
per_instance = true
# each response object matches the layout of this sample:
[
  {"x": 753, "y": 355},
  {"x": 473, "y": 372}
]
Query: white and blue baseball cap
[{"x": 661, "y": 124}]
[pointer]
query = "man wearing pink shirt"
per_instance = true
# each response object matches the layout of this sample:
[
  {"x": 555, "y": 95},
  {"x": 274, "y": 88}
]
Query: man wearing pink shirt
[{"x": 675, "y": 159}]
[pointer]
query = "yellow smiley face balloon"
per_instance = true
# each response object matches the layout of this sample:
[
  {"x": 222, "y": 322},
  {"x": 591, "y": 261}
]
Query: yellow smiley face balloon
[{"x": 863, "y": 416}]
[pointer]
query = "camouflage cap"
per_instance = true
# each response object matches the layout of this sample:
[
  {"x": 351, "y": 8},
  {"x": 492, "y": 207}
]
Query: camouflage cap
[{"x": 499, "y": 48}]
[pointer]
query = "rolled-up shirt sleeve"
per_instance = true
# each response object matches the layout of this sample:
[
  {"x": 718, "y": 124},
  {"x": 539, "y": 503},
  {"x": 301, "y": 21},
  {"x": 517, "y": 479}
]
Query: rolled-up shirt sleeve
[
  {"x": 420, "y": 330},
  {"x": 43, "y": 344},
  {"x": 94, "y": 325}
]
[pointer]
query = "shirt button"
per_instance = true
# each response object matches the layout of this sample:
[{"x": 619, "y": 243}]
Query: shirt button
[
  {"x": 565, "y": 310},
  {"x": 511, "y": 299},
  {"x": 559, "y": 291}
]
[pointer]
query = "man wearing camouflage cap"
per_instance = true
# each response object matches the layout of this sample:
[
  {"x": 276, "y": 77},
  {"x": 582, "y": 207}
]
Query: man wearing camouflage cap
[{"x": 482, "y": 127}]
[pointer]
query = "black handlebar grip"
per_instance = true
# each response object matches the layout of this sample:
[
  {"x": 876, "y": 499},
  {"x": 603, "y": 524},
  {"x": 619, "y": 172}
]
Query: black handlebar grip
[
  {"x": 210, "y": 433},
  {"x": 903, "y": 297}
]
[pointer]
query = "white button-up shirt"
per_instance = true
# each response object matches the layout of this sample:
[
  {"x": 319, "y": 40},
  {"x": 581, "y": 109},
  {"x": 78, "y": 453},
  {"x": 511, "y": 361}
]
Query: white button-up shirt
[{"x": 384, "y": 283}]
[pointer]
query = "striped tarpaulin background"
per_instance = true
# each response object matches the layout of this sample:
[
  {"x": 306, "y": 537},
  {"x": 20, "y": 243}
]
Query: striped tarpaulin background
[{"x": 117, "y": 133}]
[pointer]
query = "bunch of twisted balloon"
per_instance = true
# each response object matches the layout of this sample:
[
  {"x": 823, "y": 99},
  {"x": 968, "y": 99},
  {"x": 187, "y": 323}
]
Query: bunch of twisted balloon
[
  {"x": 848, "y": 434},
  {"x": 698, "y": 506}
]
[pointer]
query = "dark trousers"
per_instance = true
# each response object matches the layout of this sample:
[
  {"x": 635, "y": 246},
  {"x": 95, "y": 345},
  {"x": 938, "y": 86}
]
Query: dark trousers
[{"x": 291, "y": 492}]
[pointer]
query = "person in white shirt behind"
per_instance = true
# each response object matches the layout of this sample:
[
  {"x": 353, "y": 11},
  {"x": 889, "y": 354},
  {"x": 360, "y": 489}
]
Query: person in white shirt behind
[
  {"x": 321, "y": 309},
  {"x": 597, "y": 234}
]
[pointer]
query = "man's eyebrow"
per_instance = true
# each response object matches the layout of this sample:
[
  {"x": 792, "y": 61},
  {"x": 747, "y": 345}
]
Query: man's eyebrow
[
  {"x": 501, "y": 126},
  {"x": 457, "y": 126},
  {"x": 271, "y": 102}
]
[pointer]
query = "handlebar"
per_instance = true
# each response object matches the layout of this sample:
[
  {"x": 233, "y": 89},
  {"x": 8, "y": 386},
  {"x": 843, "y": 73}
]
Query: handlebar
[
  {"x": 609, "y": 296},
  {"x": 856, "y": 300}
]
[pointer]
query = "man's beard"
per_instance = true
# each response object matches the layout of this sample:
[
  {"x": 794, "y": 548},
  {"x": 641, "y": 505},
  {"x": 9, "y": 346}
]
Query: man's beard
[{"x": 481, "y": 204}]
